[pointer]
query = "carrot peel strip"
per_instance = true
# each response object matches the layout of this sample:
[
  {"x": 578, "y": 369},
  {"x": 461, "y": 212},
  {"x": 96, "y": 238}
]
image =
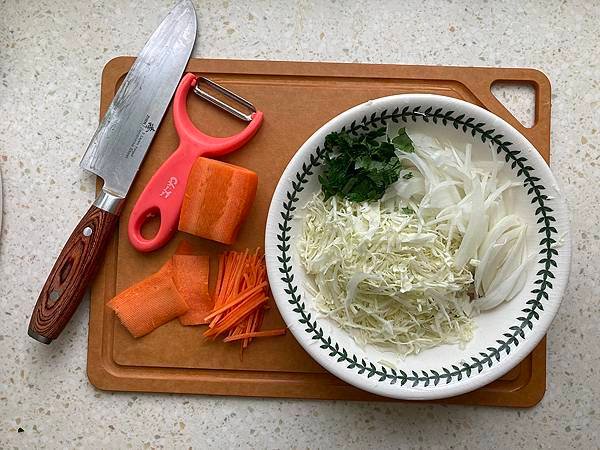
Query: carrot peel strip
[
  {"x": 152, "y": 302},
  {"x": 190, "y": 274}
]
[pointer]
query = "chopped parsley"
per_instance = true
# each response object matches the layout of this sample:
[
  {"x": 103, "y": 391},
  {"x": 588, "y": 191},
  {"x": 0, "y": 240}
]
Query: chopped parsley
[{"x": 360, "y": 168}]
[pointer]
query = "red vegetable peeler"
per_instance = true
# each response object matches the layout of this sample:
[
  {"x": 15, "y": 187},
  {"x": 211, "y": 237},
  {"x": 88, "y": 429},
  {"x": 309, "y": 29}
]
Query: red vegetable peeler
[{"x": 163, "y": 195}]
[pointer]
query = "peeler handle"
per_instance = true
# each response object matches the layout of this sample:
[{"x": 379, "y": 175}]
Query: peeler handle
[{"x": 162, "y": 197}]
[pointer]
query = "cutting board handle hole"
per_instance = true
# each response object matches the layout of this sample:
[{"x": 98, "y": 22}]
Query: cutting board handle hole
[{"x": 519, "y": 98}]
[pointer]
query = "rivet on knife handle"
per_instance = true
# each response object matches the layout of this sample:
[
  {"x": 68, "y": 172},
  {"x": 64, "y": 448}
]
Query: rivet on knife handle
[{"x": 71, "y": 275}]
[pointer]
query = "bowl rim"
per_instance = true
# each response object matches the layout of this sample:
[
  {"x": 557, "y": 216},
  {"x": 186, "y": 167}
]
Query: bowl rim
[{"x": 427, "y": 389}]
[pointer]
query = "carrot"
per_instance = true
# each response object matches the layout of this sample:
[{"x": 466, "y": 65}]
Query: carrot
[
  {"x": 249, "y": 322},
  {"x": 235, "y": 316},
  {"x": 217, "y": 323},
  {"x": 217, "y": 200},
  {"x": 190, "y": 274},
  {"x": 231, "y": 261},
  {"x": 220, "y": 275},
  {"x": 255, "y": 324},
  {"x": 178, "y": 289},
  {"x": 237, "y": 299},
  {"x": 152, "y": 302},
  {"x": 233, "y": 279},
  {"x": 254, "y": 334},
  {"x": 241, "y": 296}
]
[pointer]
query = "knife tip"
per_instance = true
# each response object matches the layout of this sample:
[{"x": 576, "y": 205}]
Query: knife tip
[{"x": 187, "y": 3}]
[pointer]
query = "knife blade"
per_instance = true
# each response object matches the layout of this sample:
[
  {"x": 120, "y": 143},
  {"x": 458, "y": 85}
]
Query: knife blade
[{"x": 115, "y": 154}]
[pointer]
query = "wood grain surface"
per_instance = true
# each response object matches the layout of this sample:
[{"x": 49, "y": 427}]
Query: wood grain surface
[{"x": 72, "y": 274}]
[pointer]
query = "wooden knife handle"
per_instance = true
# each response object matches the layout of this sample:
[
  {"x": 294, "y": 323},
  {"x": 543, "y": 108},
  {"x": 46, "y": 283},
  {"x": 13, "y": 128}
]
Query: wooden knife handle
[{"x": 71, "y": 275}]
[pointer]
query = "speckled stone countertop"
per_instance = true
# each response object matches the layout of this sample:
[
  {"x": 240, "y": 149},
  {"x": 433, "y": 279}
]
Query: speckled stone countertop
[{"x": 51, "y": 57}]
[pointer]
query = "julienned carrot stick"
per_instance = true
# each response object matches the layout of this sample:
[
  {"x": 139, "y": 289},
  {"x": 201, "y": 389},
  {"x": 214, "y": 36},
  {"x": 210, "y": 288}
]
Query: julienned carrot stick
[
  {"x": 249, "y": 322},
  {"x": 216, "y": 314},
  {"x": 245, "y": 293},
  {"x": 225, "y": 280},
  {"x": 253, "y": 321},
  {"x": 256, "y": 322},
  {"x": 235, "y": 316},
  {"x": 220, "y": 275},
  {"x": 231, "y": 302},
  {"x": 233, "y": 264},
  {"x": 255, "y": 334}
]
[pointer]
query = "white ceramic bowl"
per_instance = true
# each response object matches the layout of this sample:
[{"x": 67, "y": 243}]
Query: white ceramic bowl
[{"x": 504, "y": 335}]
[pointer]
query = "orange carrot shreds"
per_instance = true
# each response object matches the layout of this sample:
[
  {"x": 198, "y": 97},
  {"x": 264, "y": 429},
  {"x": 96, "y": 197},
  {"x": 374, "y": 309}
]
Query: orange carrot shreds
[
  {"x": 236, "y": 300},
  {"x": 220, "y": 275},
  {"x": 256, "y": 322},
  {"x": 256, "y": 334},
  {"x": 251, "y": 326},
  {"x": 235, "y": 312},
  {"x": 230, "y": 267},
  {"x": 235, "y": 316},
  {"x": 232, "y": 277},
  {"x": 190, "y": 274},
  {"x": 240, "y": 298},
  {"x": 248, "y": 328},
  {"x": 236, "y": 330},
  {"x": 218, "y": 198},
  {"x": 149, "y": 304}
]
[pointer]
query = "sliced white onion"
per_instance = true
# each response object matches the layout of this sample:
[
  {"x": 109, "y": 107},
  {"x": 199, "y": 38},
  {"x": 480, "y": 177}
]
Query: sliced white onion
[{"x": 476, "y": 230}]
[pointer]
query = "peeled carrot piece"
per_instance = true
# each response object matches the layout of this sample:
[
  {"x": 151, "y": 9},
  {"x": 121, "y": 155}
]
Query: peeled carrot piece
[
  {"x": 217, "y": 200},
  {"x": 150, "y": 303},
  {"x": 190, "y": 274}
]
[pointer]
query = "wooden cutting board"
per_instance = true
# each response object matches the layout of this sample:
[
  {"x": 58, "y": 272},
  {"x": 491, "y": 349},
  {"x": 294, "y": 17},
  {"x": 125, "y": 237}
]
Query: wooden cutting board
[{"x": 297, "y": 98}]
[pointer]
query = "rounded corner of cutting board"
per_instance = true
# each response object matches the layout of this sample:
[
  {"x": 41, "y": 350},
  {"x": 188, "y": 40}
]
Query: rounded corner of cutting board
[{"x": 100, "y": 377}]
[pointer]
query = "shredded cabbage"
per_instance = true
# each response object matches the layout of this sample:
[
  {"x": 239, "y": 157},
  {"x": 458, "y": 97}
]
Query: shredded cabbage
[
  {"x": 395, "y": 284},
  {"x": 409, "y": 272}
]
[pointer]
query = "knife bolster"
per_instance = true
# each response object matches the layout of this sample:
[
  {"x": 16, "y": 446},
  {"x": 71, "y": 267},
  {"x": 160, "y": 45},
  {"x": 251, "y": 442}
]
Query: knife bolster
[{"x": 109, "y": 203}]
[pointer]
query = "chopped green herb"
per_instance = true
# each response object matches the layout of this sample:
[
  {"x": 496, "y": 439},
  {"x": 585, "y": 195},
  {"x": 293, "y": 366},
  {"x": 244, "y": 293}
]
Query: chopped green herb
[
  {"x": 360, "y": 168},
  {"x": 403, "y": 142},
  {"x": 407, "y": 176},
  {"x": 408, "y": 210}
]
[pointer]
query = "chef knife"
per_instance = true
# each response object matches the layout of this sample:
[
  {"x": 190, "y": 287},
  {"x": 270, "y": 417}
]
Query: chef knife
[{"x": 115, "y": 154}]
